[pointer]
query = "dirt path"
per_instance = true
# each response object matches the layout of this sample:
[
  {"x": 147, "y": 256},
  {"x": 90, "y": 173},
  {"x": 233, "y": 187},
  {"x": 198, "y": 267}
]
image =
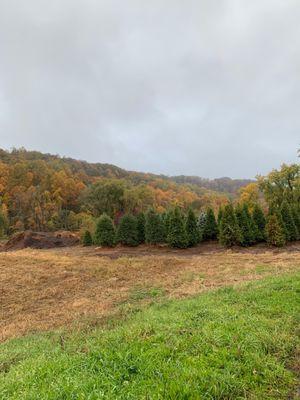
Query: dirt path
[{"x": 46, "y": 289}]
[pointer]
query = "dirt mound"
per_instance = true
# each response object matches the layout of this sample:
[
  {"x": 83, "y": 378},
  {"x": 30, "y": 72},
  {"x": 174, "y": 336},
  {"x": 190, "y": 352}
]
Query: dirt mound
[{"x": 41, "y": 240}]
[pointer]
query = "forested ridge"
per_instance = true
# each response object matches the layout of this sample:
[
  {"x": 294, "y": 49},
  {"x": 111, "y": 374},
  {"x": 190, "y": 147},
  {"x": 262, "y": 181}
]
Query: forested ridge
[
  {"x": 96, "y": 170},
  {"x": 47, "y": 192},
  {"x": 110, "y": 205}
]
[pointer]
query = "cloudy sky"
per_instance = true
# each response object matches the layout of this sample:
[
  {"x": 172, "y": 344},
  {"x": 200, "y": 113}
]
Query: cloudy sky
[{"x": 198, "y": 87}]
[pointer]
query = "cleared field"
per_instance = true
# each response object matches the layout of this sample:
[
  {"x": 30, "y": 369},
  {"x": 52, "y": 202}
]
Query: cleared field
[
  {"x": 77, "y": 287},
  {"x": 227, "y": 344}
]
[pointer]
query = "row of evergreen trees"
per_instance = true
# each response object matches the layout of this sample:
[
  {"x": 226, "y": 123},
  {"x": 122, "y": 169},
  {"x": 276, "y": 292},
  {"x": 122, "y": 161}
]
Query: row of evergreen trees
[
  {"x": 240, "y": 227},
  {"x": 233, "y": 226}
]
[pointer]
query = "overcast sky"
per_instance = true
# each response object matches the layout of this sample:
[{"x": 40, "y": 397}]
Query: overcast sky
[{"x": 195, "y": 87}]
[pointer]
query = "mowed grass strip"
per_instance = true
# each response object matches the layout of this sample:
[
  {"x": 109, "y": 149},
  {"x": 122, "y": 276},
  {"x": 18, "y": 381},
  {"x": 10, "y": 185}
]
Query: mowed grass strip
[{"x": 234, "y": 343}]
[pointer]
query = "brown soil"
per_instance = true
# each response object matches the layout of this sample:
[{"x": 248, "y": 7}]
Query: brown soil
[
  {"x": 205, "y": 248},
  {"x": 41, "y": 240},
  {"x": 76, "y": 286}
]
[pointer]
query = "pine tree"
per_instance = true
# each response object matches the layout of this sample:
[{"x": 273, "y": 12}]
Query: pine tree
[
  {"x": 141, "y": 220},
  {"x": 274, "y": 231},
  {"x": 253, "y": 227},
  {"x": 154, "y": 229},
  {"x": 246, "y": 225},
  {"x": 291, "y": 231},
  {"x": 260, "y": 221},
  {"x": 296, "y": 217},
  {"x": 201, "y": 223},
  {"x": 105, "y": 233},
  {"x": 278, "y": 214},
  {"x": 211, "y": 228},
  {"x": 177, "y": 236},
  {"x": 192, "y": 230},
  {"x": 220, "y": 214},
  {"x": 87, "y": 238},
  {"x": 127, "y": 232},
  {"x": 3, "y": 224},
  {"x": 219, "y": 219},
  {"x": 230, "y": 234},
  {"x": 166, "y": 222}
]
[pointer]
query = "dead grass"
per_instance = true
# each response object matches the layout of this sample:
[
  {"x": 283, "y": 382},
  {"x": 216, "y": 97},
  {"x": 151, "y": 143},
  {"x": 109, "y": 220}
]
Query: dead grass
[{"x": 46, "y": 289}]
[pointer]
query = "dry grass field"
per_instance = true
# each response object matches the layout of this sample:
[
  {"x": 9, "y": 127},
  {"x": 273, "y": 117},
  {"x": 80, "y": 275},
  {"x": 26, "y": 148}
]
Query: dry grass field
[{"x": 72, "y": 287}]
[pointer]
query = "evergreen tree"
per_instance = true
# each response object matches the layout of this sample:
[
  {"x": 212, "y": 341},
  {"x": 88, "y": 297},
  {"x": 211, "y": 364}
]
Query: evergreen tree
[
  {"x": 260, "y": 221},
  {"x": 154, "y": 229},
  {"x": 105, "y": 234},
  {"x": 276, "y": 211},
  {"x": 219, "y": 219},
  {"x": 220, "y": 213},
  {"x": 274, "y": 231},
  {"x": 230, "y": 234},
  {"x": 249, "y": 230},
  {"x": 252, "y": 225},
  {"x": 127, "y": 232},
  {"x": 192, "y": 230},
  {"x": 177, "y": 236},
  {"x": 163, "y": 218},
  {"x": 296, "y": 217},
  {"x": 211, "y": 228},
  {"x": 87, "y": 238},
  {"x": 141, "y": 220},
  {"x": 3, "y": 225},
  {"x": 202, "y": 223},
  {"x": 166, "y": 222},
  {"x": 291, "y": 231}
]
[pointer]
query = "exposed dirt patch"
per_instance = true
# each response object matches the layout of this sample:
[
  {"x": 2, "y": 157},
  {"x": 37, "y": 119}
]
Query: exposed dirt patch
[
  {"x": 46, "y": 289},
  {"x": 41, "y": 240},
  {"x": 202, "y": 249}
]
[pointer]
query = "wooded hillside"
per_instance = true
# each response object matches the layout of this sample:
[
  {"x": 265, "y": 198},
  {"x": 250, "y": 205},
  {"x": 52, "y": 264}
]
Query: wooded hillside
[{"x": 47, "y": 192}]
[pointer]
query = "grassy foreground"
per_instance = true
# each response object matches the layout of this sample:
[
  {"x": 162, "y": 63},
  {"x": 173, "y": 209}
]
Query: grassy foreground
[{"x": 226, "y": 344}]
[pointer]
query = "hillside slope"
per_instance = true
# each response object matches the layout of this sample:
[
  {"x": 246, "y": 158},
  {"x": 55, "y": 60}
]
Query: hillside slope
[
  {"x": 47, "y": 192},
  {"x": 96, "y": 170},
  {"x": 234, "y": 343}
]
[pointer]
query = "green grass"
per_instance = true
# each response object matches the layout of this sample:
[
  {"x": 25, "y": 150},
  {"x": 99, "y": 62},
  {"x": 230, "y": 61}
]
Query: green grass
[
  {"x": 141, "y": 293},
  {"x": 261, "y": 268},
  {"x": 227, "y": 344}
]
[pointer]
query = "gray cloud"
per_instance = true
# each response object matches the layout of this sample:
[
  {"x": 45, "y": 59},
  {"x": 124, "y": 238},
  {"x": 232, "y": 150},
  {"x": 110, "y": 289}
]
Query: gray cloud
[{"x": 202, "y": 87}]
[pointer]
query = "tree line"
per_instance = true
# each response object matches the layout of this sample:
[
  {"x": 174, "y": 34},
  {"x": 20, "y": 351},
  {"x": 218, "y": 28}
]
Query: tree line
[
  {"x": 42, "y": 192},
  {"x": 266, "y": 211},
  {"x": 232, "y": 226}
]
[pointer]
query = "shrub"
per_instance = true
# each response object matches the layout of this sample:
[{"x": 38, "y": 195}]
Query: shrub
[
  {"x": 177, "y": 236},
  {"x": 229, "y": 229},
  {"x": 154, "y": 229},
  {"x": 192, "y": 229},
  {"x": 274, "y": 231},
  {"x": 105, "y": 234},
  {"x": 211, "y": 228},
  {"x": 127, "y": 233},
  {"x": 87, "y": 238}
]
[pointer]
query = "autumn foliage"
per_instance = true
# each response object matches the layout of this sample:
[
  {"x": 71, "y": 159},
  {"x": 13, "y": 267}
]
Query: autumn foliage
[{"x": 109, "y": 205}]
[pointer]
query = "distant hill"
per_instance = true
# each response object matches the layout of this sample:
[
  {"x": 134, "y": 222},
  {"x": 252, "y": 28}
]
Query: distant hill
[
  {"x": 224, "y": 185},
  {"x": 96, "y": 170},
  {"x": 45, "y": 192}
]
